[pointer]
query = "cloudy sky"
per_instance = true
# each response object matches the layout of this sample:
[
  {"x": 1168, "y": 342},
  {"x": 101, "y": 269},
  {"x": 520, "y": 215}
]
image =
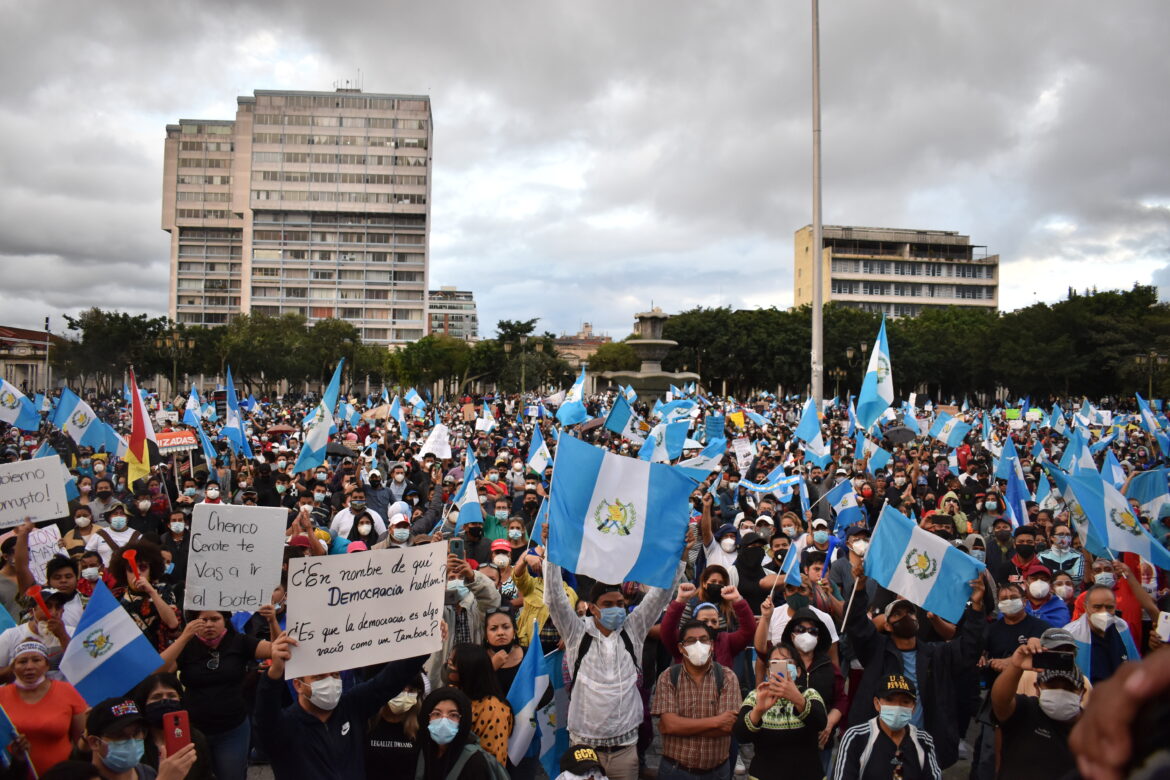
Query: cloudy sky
[{"x": 592, "y": 157}]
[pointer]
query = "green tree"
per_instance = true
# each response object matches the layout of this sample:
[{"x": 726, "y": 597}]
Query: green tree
[{"x": 614, "y": 356}]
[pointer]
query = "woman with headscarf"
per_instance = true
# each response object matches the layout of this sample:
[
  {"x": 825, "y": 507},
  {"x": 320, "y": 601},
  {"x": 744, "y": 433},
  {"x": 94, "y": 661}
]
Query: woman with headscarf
[
  {"x": 448, "y": 750},
  {"x": 49, "y": 715},
  {"x": 362, "y": 529}
]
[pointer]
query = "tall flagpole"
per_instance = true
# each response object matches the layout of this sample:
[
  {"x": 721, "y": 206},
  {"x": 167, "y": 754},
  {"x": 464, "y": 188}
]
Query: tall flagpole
[{"x": 818, "y": 334}]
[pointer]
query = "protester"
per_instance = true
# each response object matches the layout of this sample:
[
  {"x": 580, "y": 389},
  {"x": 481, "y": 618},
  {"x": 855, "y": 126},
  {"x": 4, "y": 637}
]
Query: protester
[
  {"x": 448, "y": 749},
  {"x": 49, "y": 714},
  {"x": 471, "y": 670},
  {"x": 888, "y": 746},
  {"x": 160, "y": 695},
  {"x": 392, "y": 738},
  {"x": 115, "y": 733}
]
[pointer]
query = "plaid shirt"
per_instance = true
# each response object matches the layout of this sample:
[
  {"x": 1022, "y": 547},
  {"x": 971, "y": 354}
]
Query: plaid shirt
[{"x": 696, "y": 700}]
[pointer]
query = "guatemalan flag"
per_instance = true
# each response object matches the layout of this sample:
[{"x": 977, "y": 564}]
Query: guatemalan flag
[
  {"x": 616, "y": 519},
  {"x": 191, "y": 412},
  {"x": 920, "y": 566},
  {"x": 108, "y": 655},
  {"x": 414, "y": 399},
  {"x": 665, "y": 442},
  {"x": 572, "y": 409},
  {"x": 76, "y": 418},
  {"x": 312, "y": 452},
  {"x": 709, "y": 459},
  {"x": 877, "y": 388},
  {"x": 16, "y": 409},
  {"x": 538, "y": 454},
  {"x": 1150, "y": 490},
  {"x": 1083, "y": 635},
  {"x": 1111, "y": 520},
  {"x": 843, "y": 501},
  {"x": 528, "y": 688},
  {"x": 623, "y": 421},
  {"x": 467, "y": 497},
  {"x": 949, "y": 430}
]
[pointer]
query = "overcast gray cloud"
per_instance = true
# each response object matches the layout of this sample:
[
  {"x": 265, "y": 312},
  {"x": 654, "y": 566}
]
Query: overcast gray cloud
[{"x": 591, "y": 157}]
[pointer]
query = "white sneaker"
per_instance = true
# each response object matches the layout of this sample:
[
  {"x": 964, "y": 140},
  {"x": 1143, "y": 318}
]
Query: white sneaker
[
  {"x": 964, "y": 751},
  {"x": 740, "y": 769}
]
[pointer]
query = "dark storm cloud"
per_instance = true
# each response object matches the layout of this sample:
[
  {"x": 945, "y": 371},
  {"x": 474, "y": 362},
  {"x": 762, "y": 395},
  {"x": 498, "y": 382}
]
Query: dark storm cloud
[{"x": 592, "y": 157}]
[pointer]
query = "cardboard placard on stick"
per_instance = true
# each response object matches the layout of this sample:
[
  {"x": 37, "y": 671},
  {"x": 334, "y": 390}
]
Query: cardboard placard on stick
[
  {"x": 33, "y": 489},
  {"x": 236, "y": 555}
]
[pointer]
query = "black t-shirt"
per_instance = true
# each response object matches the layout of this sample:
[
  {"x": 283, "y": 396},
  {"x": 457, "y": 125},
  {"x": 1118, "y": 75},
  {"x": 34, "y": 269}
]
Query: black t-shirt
[
  {"x": 388, "y": 746},
  {"x": 886, "y": 755},
  {"x": 215, "y": 697},
  {"x": 1035, "y": 747},
  {"x": 1003, "y": 639}
]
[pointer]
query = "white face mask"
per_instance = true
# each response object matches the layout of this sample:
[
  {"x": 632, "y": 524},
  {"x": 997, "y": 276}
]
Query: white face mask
[
  {"x": 501, "y": 561},
  {"x": 728, "y": 545},
  {"x": 402, "y": 702},
  {"x": 213, "y": 493},
  {"x": 805, "y": 643},
  {"x": 860, "y": 547},
  {"x": 82, "y": 521},
  {"x": 91, "y": 573},
  {"x": 1039, "y": 589},
  {"x": 1060, "y": 704},
  {"x": 178, "y": 527},
  {"x": 143, "y": 506},
  {"x": 1064, "y": 591},
  {"x": 364, "y": 529},
  {"x": 1101, "y": 620},
  {"x": 397, "y": 477},
  {"x": 1011, "y": 606},
  {"x": 698, "y": 653},
  {"x": 325, "y": 693}
]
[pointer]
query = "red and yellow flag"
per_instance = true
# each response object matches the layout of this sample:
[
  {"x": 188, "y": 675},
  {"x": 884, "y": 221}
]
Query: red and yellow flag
[{"x": 141, "y": 431}]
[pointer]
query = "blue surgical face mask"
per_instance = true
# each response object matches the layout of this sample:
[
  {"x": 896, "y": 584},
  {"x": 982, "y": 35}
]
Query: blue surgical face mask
[
  {"x": 515, "y": 533},
  {"x": 400, "y": 534},
  {"x": 443, "y": 730},
  {"x": 1105, "y": 578},
  {"x": 168, "y": 567},
  {"x": 820, "y": 537},
  {"x": 123, "y": 755},
  {"x": 458, "y": 587},
  {"x": 189, "y": 491},
  {"x": 896, "y": 717},
  {"x": 979, "y": 555},
  {"x": 613, "y": 618},
  {"x": 318, "y": 497}
]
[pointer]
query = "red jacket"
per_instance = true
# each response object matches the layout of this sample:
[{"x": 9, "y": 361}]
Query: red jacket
[{"x": 728, "y": 644}]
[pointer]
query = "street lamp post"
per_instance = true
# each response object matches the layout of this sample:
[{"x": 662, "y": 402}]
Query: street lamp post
[
  {"x": 1150, "y": 360},
  {"x": 539, "y": 347},
  {"x": 175, "y": 344},
  {"x": 507, "y": 351},
  {"x": 837, "y": 374},
  {"x": 523, "y": 366}
]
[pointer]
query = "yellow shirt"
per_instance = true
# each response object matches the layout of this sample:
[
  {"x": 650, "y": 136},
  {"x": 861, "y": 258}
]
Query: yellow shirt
[{"x": 532, "y": 589}]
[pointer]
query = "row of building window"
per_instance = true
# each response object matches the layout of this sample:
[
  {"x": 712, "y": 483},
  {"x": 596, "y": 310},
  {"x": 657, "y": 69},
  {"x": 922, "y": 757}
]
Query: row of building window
[
  {"x": 211, "y": 251},
  {"x": 207, "y": 146},
  {"x": 203, "y": 214},
  {"x": 310, "y": 120},
  {"x": 340, "y": 140},
  {"x": 344, "y": 275},
  {"x": 418, "y": 221},
  {"x": 203, "y": 179},
  {"x": 899, "y": 268},
  {"x": 331, "y": 177},
  {"x": 314, "y": 196},
  {"x": 212, "y": 197},
  {"x": 340, "y": 101},
  {"x": 971, "y": 292},
  {"x": 209, "y": 234},
  {"x": 342, "y": 237},
  {"x": 199, "y": 129},
  {"x": 330, "y": 256},
  {"x": 328, "y": 158}
]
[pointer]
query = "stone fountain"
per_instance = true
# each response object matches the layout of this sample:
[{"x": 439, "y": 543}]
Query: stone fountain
[{"x": 650, "y": 381}]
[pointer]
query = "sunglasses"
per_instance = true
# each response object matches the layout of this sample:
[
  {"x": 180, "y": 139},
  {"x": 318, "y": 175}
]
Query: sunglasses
[{"x": 806, "y": 629}]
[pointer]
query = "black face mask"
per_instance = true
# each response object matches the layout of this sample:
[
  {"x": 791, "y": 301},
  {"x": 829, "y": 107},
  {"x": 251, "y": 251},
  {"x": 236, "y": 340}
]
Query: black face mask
[
  {"x": 1003, "y": 536},
  {"x": 156, "y": 710},
  {"x": 943, "y": 533},
  {"x": 816, "y": 480},
  {"x": 712, "y": 592},
  {"x": 928, "y": 503},
  {"x": 905, "y": 628},
  {"x": 104, "y": 494},
  {"x": 1025, "y": 551},
  {"x": 473, "y": 532}
]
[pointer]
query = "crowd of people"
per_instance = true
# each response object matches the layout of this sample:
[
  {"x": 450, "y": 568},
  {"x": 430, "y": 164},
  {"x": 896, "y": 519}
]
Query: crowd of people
[{"x": 734, "y": 670}]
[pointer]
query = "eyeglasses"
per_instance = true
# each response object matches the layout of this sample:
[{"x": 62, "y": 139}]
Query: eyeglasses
[
  {"x": 213, "y": 661},
  {"x": 701, "y": 640},
  {"x": 806, "y": 629}
]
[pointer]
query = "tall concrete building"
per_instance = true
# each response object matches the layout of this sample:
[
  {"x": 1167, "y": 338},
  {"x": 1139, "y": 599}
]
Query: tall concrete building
[
  {"x": 897, "y": 272},
  {"x": 453, "y": 312},
  {"x": 309, "y": 202}
]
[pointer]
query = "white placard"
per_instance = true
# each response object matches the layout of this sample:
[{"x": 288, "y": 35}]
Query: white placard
[
  {"x": 236, "y": 555},
  {"x": 347, "y": 611},
  {"x": 437, "y": 444},
  {"x": 743, "y": 453},
  {"x": 33, "y": 489},
  {"x": 43, "y": 545}
]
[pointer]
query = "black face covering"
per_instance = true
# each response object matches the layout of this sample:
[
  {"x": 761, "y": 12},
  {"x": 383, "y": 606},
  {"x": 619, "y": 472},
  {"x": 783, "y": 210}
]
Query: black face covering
[
  {"x": 712, "y": 591},
  {"x": 905, "y": 628},
  {"x": 1025, "y": 551},
  {"x": 473, "y": 532},
  {"x": 156, "y": 710},
  {"x": 751, "y": 556}
]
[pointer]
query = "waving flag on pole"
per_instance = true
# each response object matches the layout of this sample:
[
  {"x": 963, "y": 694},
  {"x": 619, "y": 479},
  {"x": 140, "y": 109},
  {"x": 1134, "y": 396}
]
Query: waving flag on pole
[
  {"x": 76, "y": 418},
  {"x": 398, "y": 417},
  {"x": 843, "y": 501},
  {"x": 191, "y": 412},
  {"x": 414, "y": 399},
  {"x": 233, "y": 425},
  {"x": 920, "y": 566},
  {"x": 528, "y": 687},
  {"x": 877, "y": 389},
  {"x": 572, "y": 410},
  {"x": 1111, "y": 519},
  {"x": 16, "y": 409},
  {"x": 949, "y": 430},
  {"x": 1149, "y": 489},
  {"x": 623, "y": 421},
  {"x": 616, "y": 519},
  {"x": 467, "y": 497},
  {"x": 709, "y": 458},
  {"x": 1016, "y": 498},
  {"x": 538, "y": 454},
  {"x": 108, "y": 654},
  {"x": 665, "y": 442},
  {"x": 1009, "y": 461},
  {"x": 1112, "y": 471},
  {"x": 141, "y": 432},
  {"x": 313, "y": 449}
]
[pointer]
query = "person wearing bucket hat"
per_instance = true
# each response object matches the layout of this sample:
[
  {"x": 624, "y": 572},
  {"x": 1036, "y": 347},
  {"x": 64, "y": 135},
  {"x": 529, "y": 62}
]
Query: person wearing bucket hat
[
  {"x": 1037, "y": 727},
  {"x": 888, "y": 745}
]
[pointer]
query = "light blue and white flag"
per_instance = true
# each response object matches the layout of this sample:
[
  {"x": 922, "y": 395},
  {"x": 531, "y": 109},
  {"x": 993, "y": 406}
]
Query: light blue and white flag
[
  {"x": 852, "y": 418},
  {"x": 920, "y": 566},
  {"x": 486, "y": 421},
  {"x": 1076, "y": 457},
  {"x": 1149, "y": 488},
  {"x": 616, "y": 519},
  {"x": 949, "y": 430},
  {"x": 1009, "y": 460},
  {"x": 805, "y": 503},
  {"x": 1016, "y": 498},
  {"x": 878, "y": 458},
  {"x": 1111, "y": 470},
  {"x": 842, "y": 499},
  {"x": 233, "y": 423},
  {"x": 910, "y": 419},
  {"x": 193, "y": 410},
  {"x": 790, "y": 566},
  {"x": 398, "y": 417},
  {"x": 1111, "y": 519},
  {"x": 313, "y": 449},
  {"x": 209, "y": 453},
  {"x": 414, "y": 399},
  {"x": 349, "y": 414},
  {"x": 775, "y": 482},
  {"x": 809, "y": 432},
  {"x": 467, "y": 497},
  {"x": 709, "y": 459},
  {"x": 76, "y": 418},
  {"x": 16, "y": 409},
  {"x": 528, "y": 687},
  {"x": 538, "y": 455},
  {"x": 572, "y": 410},
  {"x": 877, "y": 388},
  {"x": 108, "y": 654},
  {"x": 552, "y": 720},
  {"x": 1152, "y": 426},
  {"x": 623, "y": 421},
  {"x": 665, "y": 442},
  {"x": 676, "y": 410},
  {"x": 385, "y": 395},
  {"x": 1058, "y": 422},
  {"x": 630, "y": 394},
  {"x": 209, "y": 412}
]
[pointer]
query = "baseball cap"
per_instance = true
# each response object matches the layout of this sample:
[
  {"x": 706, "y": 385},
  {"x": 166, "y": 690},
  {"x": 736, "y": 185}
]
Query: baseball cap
[
  {"x": 1037, "y": 568},
  {"x": 820, "y": 522},
  {"x": 856, "y": 530},
  {"x": 896, "y": 683},
  {"x": 501, "y": 544},
  {"x": 1045, "y": 676},
  {"x": 375, "y": 473},
  {"x": 112, "y": 715},
  {"x": 1057, "y": 638},
  {"x": 580, "y": 760},
  {"x": 895, "y": 603},
  {"x": 750, "y": 538},
  {"x": 300, "y": 540}
]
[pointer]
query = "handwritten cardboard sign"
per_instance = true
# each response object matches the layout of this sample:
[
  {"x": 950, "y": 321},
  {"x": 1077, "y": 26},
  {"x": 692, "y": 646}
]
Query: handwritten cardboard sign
[
  {"x": 347, "y": 611},
  {"x": 236, "y": 554},
  {"x": 34, "y": 489},
  {"x": 43, "y": 545}
]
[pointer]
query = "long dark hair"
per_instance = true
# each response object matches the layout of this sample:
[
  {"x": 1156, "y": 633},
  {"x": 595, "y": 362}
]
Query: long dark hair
[
  {"x": 477, "y": 677},
  {"x": 436, "y": 767}
]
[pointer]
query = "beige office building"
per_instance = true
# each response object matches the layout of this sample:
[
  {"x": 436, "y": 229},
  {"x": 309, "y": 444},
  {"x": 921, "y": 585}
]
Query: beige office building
[
  {"x": 315, "y": 203},
  {"x": 897, "y": 272}
]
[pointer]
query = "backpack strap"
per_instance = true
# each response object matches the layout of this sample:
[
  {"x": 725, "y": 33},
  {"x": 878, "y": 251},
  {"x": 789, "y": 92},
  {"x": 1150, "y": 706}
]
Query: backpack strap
[
  {"x": 469, "y": 750},
  {"x": 117, "y": 548},
  {"x": 587, "y": 642},
  {"x": 716, "y": 669}
]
